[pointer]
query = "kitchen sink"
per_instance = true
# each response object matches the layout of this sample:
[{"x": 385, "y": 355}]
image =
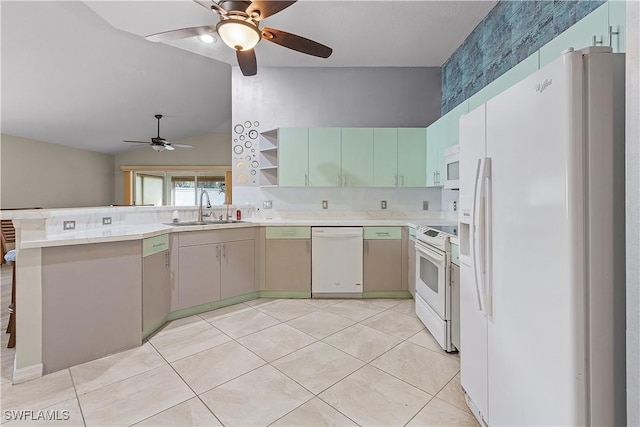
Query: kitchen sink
[{"x": 187, "y": 223}]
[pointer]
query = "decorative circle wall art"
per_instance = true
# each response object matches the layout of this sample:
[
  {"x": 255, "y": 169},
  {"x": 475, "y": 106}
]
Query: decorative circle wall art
[{"x": 245, "y": 158}]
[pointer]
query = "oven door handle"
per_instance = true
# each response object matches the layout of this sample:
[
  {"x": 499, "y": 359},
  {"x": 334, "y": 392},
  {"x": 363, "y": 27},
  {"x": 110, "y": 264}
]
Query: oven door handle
[{"x": 432, "y": 255}]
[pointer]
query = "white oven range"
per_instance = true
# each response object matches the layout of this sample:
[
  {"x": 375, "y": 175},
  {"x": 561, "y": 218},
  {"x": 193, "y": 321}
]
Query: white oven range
[{"x": 433, "y": 294}]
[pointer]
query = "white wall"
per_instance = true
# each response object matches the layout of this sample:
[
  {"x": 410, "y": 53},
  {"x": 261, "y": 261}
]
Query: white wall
[
  {"x": 212, "y": 149},
  {"x": 633, "y": 212},
  {"x": 41, "y": 174},
  {"x": 330, "y": 97}
]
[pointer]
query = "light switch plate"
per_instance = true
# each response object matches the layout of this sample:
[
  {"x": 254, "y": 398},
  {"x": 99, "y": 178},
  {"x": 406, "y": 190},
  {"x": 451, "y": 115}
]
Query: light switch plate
[
  {"x": 106, "y": 220},
  {"x": 425, "y": 205},
  {"x": 325, "y": 204},
  {"x": 267, "y": 204},
  {"x": 69, "y": 225}
]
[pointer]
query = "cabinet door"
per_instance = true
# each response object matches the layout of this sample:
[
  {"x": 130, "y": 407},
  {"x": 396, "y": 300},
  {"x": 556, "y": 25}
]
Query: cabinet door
[
  {"x": 293, "y": 157},
  {"x": 385, "y": 157},
  {"x": 199, "y": 275},
  {"x": 382, "y": 265},
  {"x": 156, "y": 289},
  {"x": 357, "y": 157},
  {"x": 412, "y": 157},
  {"x": 579, "y": 35},
  {"x": 617, "y": 21},
  {"x": 435, "y": 135},
  {"x": 288, "y": 265},
  {"x": 324, "y": 157},
  {"x": 237, "y": 268}
]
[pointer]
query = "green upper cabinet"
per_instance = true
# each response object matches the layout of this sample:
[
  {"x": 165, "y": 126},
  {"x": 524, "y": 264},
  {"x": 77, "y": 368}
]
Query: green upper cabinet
[
  {"x": 617, "y": 22},
  {"x": 293, "y": 157},
  {"x": 324, "y": 157},
  {"x": 385, "y": 157},
  {"x": 357, "y": 157},
  {"x": 412, "y": 157},
  {"x": 441, "y": 135},
  {"x": 594, "y": 26}
]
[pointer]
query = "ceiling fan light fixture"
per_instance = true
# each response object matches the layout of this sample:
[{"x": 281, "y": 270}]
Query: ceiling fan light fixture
[
  {"x": 207, "y": 38},
  {"x": 238, "y": 34},
  {"x": 158, "y": 147}
]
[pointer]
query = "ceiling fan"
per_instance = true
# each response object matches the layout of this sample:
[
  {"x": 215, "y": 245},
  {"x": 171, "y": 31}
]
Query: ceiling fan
[
  {"x": 238, "y": 28},
  {"x": 160, "y": 144}
]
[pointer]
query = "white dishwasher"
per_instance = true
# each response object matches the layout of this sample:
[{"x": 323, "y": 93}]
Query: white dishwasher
[{"x": 336, "y": 261}]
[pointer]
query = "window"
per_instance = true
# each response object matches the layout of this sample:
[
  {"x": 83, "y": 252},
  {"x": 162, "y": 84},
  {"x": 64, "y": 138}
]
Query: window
[
  {"x": 186, "y": 190},
  {"x": 149, "y": 190},
  {"x": 176, "y": 186}
]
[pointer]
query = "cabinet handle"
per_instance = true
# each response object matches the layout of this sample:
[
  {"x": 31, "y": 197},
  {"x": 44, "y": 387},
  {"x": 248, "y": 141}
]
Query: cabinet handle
[
  {"x": 224, "y": 250},
  {"x": 344, "y": 180},
  {"x": 306, "y": 180},
  {"x": 218, "y": 252},
  {"x": 396, "y": 184},
  {"x": 614, "y": 33},
  {"x": 402, "y": 180},
  {"x": 338, "y": 180},
  {"x": 596, "y": 42},
  {"x": 437, "y": 178},
  {"x": 167, "y": 259}
]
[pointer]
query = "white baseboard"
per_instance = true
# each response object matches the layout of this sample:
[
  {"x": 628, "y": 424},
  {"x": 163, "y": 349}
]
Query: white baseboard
[{"x": 27, "y": 373}]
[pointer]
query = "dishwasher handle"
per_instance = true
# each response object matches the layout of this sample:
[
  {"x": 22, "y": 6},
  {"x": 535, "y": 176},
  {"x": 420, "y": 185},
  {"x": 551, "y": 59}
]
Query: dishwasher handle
[{"x": 336, "y": 233}]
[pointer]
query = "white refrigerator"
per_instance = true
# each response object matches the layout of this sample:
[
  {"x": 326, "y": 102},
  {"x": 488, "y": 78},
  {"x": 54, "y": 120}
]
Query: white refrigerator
[{"x": 542, "y": 247}]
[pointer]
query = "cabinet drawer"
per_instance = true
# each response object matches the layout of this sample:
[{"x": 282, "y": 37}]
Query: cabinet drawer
[
  {"x": 288, "y": 232},
  {"x": 382, "y": 233},
  {"x": 156, "y": 244}
]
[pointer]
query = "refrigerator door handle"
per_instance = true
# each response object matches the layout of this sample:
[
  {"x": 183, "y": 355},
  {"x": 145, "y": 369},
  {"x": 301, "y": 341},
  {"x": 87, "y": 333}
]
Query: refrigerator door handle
[
  {"x": 485, "y": 194},
  {"x": 473, "y": 225}
]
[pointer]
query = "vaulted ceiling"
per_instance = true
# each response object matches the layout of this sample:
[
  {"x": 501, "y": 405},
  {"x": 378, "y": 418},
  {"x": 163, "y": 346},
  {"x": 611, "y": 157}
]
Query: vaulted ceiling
[{"x": 82, "y": 74}]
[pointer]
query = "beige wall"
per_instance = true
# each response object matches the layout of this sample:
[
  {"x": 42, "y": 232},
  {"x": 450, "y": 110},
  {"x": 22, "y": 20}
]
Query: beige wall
[
  {"x": 212, "y": 149},
  {"x": 35, "y": 173}
]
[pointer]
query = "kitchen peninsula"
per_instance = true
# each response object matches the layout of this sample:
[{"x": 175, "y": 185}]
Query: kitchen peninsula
[{"x": 95, "y": 281}]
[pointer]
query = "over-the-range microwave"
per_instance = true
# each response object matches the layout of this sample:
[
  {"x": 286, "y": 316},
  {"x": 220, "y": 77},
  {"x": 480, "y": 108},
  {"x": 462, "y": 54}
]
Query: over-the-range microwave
[{"x": 452, "y": 167}]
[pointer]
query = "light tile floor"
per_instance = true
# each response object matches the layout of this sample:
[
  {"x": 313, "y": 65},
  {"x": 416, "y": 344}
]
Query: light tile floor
[{"x": 264, "y": 362}]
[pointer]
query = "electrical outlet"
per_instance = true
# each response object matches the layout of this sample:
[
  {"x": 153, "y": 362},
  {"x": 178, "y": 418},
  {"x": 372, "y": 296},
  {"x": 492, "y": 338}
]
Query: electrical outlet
[
  {"x": 106, "y": 220},
  {"x": 383, "y": 204},
  {"x": 68, "y": 225},
  {"x": 267, "y": 204},
  {"x": 325, "y": 204},
  {"x": 425, "y": 205}
]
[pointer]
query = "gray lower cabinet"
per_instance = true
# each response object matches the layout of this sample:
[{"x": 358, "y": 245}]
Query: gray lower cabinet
[
  {"x": 214, "y": 265},
  {"x": 199, "y": 274},
  {"x": 156, "y": 282},
  {"x": 237, "y": 272},
  {"x": 91, "y": 302},
  {"x": 288, "y": 259},
  {"x": 288, "y": 265},
  {"x": 382, "y": 259}
]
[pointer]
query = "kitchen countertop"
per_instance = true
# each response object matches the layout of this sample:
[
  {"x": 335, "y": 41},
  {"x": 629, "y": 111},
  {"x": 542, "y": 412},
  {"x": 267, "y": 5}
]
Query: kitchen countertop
[{"x": 143, "y": 231}]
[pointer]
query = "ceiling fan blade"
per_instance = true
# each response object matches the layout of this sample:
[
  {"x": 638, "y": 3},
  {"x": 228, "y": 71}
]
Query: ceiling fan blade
[
  {"x": 247, "y": 62},
  {"x": 266, "y": 8},
  {"x": 297, "y": 43},
  {"x": 181, "y": 33},
  {"x": 138, "y": 142},
  {"x": 181, "y": 145},
  {"x": 168, "y": 147}
]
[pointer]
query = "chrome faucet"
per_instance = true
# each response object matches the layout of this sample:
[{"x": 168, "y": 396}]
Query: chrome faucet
[{"x": 200, "y": 213}]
